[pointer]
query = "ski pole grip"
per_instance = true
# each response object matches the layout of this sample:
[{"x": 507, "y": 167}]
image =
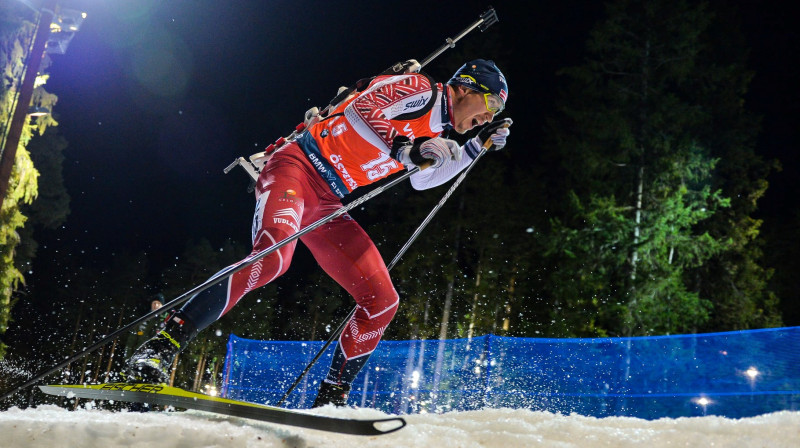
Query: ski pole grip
[
  {"x": 486, "y": 20},
  {"x": 489, "y": 18},
  {"x": 488, "y": 143}
]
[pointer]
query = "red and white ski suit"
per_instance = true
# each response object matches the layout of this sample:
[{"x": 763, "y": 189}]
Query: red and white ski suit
[{"x": 304, "y": 181}]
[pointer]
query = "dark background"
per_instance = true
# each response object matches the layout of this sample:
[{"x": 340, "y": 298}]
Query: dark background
[{"x": 156, "y": 98}]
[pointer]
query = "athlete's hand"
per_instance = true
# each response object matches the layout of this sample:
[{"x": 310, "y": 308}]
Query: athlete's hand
[
  {"x": 496, "y": 131},
  {"x": 440, "y": 150},
  {"x": 430, "y": 152}
]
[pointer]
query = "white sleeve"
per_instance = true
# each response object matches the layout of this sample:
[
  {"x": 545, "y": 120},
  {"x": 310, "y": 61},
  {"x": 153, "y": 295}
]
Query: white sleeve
[{"x": 430, "y": 178}]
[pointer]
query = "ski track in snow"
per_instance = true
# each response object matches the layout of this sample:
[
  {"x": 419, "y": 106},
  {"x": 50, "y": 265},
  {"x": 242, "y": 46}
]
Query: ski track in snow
[{"x": 50, "y": 426}]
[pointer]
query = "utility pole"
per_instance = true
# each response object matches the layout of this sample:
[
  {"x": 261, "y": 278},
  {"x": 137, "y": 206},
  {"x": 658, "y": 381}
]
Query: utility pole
[{"x": 9, "y": 150}]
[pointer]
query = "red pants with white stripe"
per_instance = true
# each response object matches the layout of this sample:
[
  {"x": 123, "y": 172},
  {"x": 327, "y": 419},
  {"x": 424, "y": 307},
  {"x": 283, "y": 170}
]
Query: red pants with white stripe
[{"x": 289, "y": 196}]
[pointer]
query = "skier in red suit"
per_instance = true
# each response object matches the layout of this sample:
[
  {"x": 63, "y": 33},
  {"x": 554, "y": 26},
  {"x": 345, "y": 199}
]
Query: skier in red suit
[{"x": 394, "y": 123}]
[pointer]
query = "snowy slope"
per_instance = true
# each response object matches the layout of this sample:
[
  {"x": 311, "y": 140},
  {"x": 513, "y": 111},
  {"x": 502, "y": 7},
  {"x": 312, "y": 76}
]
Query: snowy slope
[{"x": 50, "y": 426}]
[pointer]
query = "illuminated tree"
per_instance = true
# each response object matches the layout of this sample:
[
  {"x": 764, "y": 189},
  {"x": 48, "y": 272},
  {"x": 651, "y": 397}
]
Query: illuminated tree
[
  {"x": 649, "y": 134},
  {"x": 15, "y": 37}
]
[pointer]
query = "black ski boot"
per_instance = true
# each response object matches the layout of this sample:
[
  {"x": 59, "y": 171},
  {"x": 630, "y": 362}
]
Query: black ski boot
[
  {"x": 330, "y": 393},
  {"x": 150, "y": 363}
]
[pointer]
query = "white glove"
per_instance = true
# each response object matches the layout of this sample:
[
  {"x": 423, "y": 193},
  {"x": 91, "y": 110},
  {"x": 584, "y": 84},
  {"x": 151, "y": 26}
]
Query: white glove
[
  {"x": 440, "y": 150},
  {"x": 497, "y": 131},
  {"x": 437, "y": 149},
  {"x": 499, "y": 137}
]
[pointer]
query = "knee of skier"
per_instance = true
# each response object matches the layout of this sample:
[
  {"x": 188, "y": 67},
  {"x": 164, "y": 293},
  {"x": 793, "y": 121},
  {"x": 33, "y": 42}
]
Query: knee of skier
[
  {"x": 280, "y": 259},
  {"x": 265, "y": 237},
  {"x": 381, "y": 305}
]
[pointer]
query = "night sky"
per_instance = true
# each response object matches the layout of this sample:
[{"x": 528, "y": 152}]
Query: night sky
[{"x": 157, "y": 97}]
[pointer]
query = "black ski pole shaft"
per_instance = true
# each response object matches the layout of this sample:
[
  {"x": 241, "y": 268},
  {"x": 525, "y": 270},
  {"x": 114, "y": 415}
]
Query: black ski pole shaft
[
  {"x": 435, "y": 209},
  {"x": 397, "y": 257},
  {"x": 218, "y": 277},
  {"x": 486, "y": 20},
  {"x": 486, "y": 145}
]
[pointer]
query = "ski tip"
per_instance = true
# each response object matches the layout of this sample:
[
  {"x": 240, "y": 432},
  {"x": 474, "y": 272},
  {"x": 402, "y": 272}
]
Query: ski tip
[
  {"x": 47, "y": 387},
  {"x": 389, "y": 425},
  {"x": 55, "y": 389},
  {"x": 58, "y": 389}
]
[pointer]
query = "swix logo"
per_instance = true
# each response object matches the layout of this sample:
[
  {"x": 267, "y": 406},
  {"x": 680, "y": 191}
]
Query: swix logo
[
  {"x": 409, "y": 132},
  {"x": 280, "y": 218},
  {"x": 416, "y": 103}
]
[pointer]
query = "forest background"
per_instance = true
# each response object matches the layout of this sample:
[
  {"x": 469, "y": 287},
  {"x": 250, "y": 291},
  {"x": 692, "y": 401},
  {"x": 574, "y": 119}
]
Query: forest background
[{"x": 628, "y": 202}]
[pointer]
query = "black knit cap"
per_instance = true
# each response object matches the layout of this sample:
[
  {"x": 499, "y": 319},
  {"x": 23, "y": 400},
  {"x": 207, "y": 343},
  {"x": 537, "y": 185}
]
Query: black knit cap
[{"x": 483, "y": 76}]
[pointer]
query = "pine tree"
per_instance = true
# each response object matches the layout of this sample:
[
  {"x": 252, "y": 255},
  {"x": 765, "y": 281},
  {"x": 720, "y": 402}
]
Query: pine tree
[
  {"x": 735, "y": 280},
  {"x": 51, "y": 207},
  {"x": 15, "y": 37},
  {"x": 640, "y": 174}
]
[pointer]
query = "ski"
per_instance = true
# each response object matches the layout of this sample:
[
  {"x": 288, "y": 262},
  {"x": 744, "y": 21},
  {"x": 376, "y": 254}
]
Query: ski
[{"x": 161, "y": 394}]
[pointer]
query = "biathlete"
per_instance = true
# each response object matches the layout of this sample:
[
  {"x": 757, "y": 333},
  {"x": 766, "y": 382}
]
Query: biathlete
[{"x": 394, "y": 123}]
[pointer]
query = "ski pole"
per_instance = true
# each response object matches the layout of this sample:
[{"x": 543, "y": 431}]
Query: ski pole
[
  {"x": 397, "y": 257},
  {"x": 221, "y": 275},
  {"x": 487, "y": 19}
]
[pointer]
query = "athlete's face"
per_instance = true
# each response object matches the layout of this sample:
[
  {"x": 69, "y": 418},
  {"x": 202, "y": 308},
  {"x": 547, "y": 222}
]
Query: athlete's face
[{"x": 470, "y": 111}]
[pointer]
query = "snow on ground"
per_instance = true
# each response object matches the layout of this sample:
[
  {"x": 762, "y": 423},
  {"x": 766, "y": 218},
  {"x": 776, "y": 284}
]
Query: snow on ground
[{"x": 51, "y": 426}]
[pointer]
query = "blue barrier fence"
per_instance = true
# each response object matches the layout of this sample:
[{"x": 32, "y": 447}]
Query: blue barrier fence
[{"x": 733, "y": 374}]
